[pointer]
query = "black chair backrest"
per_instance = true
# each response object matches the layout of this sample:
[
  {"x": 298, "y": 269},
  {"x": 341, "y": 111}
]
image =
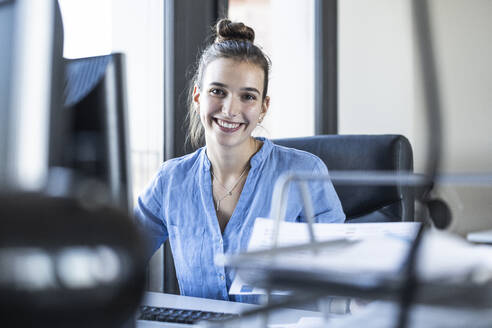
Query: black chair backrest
[{"x": 365, "y": 153}]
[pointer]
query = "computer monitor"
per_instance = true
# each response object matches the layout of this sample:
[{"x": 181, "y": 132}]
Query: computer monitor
[
  {"x": 96, "y": 146},
  {"x": 6, "y": 54},
  {"x": 31, "y": 84}
]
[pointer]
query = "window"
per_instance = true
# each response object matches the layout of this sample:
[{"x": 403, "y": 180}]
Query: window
[
  {"x": 81, "y": 38},
  {"x": 99, "y": 27}
]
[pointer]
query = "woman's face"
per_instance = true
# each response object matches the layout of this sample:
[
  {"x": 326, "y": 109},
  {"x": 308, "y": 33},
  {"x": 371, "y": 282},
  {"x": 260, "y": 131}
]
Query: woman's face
[{"x": 229, "y": 101}]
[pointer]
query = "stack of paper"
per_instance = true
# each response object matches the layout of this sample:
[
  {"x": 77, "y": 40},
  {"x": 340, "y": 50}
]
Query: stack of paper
[{"x": 366, "y": 248}]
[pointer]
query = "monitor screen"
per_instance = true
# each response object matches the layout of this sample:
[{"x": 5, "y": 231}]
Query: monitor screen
[{"x": 96, "y": 146}]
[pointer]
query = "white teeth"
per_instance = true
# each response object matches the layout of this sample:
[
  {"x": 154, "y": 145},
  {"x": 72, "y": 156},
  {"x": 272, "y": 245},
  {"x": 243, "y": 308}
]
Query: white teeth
[{"x": 227, "y": 125}]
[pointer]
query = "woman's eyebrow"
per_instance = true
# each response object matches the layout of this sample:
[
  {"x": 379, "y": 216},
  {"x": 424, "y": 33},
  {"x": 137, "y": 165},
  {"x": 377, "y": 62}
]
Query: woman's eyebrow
[
  {"x": 222, "y": 85},
  {"x": 219, "y": 84},
  {"x": 250, "y": 89}
]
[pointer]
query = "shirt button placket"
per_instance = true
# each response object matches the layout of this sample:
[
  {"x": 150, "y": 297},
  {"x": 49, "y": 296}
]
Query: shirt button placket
[
  {"x": 221, "y": 272},
  {"x": 222, "y": 284}
]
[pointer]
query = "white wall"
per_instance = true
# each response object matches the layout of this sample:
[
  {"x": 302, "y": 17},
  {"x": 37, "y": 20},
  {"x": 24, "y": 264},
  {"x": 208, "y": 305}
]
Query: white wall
[
  {"x": 376, "y": 75},
  {"x": 380, "y": 88}
]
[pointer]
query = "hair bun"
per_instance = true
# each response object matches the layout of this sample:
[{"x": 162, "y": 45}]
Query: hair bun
[{"x": 227, "y": 30}]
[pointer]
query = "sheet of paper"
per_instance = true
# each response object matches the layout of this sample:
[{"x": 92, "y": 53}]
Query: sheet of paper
[
  {"x": 291, "y": 233},
  {"x": 387, "y": 248}
]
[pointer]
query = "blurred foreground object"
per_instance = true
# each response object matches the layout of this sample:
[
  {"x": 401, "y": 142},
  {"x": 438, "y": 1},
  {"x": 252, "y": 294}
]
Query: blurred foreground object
[
  {"x": 63, "y": 264},
  {"x": 31, "y": 86}
]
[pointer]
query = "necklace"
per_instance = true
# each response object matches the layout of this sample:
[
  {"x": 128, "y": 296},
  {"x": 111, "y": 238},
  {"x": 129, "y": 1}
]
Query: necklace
[{"x": 228, "y": 192}]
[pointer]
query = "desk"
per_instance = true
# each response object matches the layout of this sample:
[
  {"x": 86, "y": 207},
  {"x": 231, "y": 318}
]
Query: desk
[
  {"x": 384, "y": 315},
  {"x": 283, "y": 316}
]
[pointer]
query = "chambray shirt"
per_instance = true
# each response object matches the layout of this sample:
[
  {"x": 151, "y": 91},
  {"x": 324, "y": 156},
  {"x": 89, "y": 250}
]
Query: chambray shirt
[{"x": 178, "y": 204}]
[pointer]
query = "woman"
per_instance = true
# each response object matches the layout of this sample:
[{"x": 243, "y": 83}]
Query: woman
[{"x": 206, "y": 202}]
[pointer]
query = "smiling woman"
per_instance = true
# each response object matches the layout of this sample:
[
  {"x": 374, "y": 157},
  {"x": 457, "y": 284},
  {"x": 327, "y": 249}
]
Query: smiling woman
[
  {"x": 230, "y": 102},
  {"x": 235, "y": 42},
  {"x": 206, "y": 202},
  {"x": 230, "y": 107}
]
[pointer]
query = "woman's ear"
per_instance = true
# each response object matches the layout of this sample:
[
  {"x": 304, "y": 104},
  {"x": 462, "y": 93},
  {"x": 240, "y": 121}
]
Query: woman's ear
[
  {"x": 196, "y": 97},
  {"x": 265, "y": 106}
]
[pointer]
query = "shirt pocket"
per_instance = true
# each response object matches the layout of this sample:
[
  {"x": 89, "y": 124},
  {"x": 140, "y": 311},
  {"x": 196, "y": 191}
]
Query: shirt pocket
[{"x": 187, "y": 248}]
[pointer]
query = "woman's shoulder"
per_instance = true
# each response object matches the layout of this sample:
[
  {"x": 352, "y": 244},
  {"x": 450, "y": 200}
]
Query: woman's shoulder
[{"x": 183, "y": 165}]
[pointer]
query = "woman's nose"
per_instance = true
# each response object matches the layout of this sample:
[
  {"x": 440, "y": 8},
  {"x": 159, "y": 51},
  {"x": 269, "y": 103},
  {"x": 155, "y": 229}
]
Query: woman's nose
[{"x": 230, "y": 108}]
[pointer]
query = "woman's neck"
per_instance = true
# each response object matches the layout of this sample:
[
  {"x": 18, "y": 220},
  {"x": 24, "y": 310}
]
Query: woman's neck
[{"x": 230, "y": 162}]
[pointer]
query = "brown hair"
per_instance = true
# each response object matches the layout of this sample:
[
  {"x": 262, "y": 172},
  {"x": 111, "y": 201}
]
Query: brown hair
[{"x": 235, "y": 41}]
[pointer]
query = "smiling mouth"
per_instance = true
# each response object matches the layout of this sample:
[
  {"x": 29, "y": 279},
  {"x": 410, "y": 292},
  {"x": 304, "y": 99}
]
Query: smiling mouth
[{"x": 227, "y": 126}]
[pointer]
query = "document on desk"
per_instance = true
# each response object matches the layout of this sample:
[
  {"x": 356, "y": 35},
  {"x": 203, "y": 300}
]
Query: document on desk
[
  {"x": 356, "y": 247},
  {"x": 365, "y": 249}
]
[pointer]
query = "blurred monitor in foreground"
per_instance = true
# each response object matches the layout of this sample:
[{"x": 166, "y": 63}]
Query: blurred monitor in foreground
[
  {"x": 31, "y": 85},
  {"x": 63, "y": 262}
]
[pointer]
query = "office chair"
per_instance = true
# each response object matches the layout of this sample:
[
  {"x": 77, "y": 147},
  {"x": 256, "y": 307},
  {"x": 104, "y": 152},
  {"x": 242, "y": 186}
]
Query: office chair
[{"x": 365, "y": 153}]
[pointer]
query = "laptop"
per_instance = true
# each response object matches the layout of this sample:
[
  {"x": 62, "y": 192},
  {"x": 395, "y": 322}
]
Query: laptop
[{"x": 166, "y": 310}]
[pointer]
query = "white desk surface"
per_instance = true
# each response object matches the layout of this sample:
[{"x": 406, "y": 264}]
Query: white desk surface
[{"x": 283, "y": 316}]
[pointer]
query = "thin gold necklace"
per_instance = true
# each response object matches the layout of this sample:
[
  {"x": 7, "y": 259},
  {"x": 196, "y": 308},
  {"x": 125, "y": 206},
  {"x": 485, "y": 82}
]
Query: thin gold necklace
[{"x": 229, "y": 192}]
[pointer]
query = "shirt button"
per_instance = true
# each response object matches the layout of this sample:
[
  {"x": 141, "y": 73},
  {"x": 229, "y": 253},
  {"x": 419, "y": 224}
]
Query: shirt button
[{"x": 221, "y": 277}]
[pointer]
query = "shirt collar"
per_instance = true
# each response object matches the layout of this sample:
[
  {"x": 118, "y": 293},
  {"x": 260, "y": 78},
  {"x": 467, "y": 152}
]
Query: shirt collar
[
  {"x": 263, "y": 153},
  {"x": 204, "y": 159},
  {"x": 256, "y": 160}
]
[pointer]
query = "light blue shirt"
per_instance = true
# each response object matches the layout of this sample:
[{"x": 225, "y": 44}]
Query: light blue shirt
[{"x": 178, "y": 204}]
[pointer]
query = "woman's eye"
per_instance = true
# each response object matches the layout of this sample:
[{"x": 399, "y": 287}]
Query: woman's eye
[
  {"x": 217, "y": 92},
  {"x": 249, "y": 97}
]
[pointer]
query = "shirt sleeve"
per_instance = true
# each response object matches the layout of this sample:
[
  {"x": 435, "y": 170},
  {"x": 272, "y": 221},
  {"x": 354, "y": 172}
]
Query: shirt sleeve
[
  {"x": 149, "y": 218},
  {"x": 326, "y": 204}
]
